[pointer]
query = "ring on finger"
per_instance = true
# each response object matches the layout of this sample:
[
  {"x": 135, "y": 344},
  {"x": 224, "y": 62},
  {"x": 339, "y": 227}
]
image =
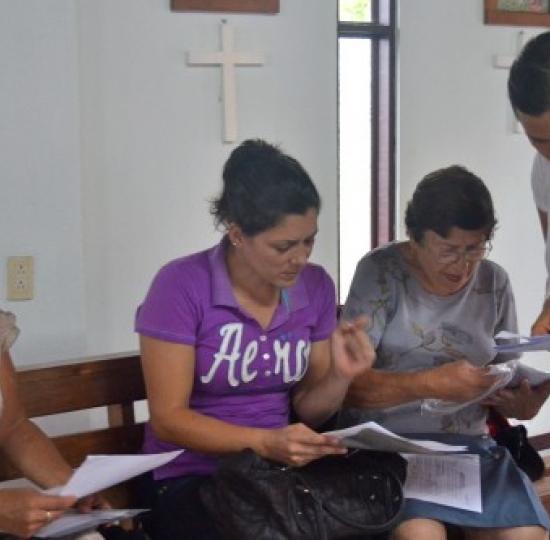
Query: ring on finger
[{"x": 48, "y": 516}]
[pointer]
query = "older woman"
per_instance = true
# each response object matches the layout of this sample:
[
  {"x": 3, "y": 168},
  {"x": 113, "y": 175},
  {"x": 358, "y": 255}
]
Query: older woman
[{"x": 436, "y": 304}]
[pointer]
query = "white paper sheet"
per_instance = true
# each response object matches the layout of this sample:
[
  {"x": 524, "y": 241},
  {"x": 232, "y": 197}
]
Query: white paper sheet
[
  {"x": 518, "y": 343},
  {"x": 452, "y": 480},
  {"x": 73, "y": 522},
  {"x": 100, "y": 472},
  {"x": 371, "y": 436}
]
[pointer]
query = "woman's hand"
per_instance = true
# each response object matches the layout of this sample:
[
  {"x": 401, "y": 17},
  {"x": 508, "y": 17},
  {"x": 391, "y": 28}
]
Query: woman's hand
[
  {"x": 523, "y": 402},
  {"x": 459, "y": 381},
  {"x": 24, "y": 511},
  {"x": 352, "y": 351},
  {"x": 297, "y": 445}
]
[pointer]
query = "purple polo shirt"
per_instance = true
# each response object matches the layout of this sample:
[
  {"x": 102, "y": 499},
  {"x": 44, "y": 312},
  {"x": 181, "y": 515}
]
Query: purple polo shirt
[{"x": 243, "y": 373}]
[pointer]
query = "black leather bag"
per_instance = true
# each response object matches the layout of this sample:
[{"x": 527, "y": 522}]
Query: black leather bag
[
  {"x": 526, "y": 457},
  {"x": 331, "y": 498},
  {"x": 515, "y": 439}
]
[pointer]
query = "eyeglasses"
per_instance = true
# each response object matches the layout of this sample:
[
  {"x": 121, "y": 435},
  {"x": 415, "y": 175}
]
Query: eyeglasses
[{"x": 448, "y": 256}]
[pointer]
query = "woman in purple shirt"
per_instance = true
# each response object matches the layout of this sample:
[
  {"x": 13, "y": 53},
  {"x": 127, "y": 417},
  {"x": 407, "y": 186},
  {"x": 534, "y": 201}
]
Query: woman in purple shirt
[{"x": 234, "y": 336}]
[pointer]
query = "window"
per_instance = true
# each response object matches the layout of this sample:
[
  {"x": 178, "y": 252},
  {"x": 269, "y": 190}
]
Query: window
[{"x": 366, "y": 132}]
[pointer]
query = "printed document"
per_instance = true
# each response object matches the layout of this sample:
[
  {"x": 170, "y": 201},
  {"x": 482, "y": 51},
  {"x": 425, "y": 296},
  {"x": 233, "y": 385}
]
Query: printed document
[
  {"x": 451, "y": 480},
  {"x": 372, "y": 436}
]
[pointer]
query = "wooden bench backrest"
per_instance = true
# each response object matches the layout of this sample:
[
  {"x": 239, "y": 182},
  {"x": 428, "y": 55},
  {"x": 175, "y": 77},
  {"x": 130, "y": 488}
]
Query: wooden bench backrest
[
  {"x": 112, "y": 381},
  {"x": 115, "y": 382}
]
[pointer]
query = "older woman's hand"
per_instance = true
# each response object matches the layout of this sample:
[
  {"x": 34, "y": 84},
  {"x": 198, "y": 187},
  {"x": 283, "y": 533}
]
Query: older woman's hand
[
  {"x": 522, "y": 402},
  {"x": 352, "y": 351},
  {"x": 459, "y": 381},
  {"x": 25, "y": 511}
]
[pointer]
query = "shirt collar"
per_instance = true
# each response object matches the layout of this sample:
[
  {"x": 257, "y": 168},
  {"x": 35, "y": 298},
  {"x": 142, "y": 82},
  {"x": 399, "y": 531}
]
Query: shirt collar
[
  {"x": 292, "y": 298},
  {"x": 222, "y": 292}
]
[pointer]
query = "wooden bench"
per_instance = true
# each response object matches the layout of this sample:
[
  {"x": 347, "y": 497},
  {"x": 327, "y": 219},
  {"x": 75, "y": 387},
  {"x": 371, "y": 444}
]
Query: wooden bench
[{"x": 115, "y": 382}]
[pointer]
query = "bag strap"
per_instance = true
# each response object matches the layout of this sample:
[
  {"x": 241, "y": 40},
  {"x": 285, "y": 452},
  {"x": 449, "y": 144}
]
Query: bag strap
[{"x": 347, "y": 521}]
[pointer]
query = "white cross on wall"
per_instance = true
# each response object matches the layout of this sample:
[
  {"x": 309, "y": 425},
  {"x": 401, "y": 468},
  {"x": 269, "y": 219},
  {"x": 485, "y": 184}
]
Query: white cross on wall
[
  {"x": 501, "y": 61},
  {"x": 227, "y": 58}
]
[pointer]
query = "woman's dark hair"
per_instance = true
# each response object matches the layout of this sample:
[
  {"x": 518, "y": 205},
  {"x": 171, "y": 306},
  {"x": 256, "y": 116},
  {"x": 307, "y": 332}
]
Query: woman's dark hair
[
  {"x": 447, "y": 198},
  {"x": 262, "y": 185},
  {"x": 529, "y": 80}
]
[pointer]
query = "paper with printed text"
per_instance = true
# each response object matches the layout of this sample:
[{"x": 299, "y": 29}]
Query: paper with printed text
[{"x": 451, "y": 480}]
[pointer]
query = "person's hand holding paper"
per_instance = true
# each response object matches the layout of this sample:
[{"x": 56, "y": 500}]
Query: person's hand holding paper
[{"x": 95, "y": 474}]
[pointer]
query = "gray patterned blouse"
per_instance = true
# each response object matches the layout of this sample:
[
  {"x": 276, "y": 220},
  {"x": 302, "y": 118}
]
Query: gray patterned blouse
[{"x": 413, "y": 329}]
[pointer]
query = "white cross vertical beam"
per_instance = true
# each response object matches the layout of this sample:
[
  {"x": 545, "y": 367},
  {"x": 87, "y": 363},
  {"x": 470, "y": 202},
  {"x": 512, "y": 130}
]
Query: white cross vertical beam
[
  {"x": 227, "y": 58},
  {"x": 505, "y": 62}
]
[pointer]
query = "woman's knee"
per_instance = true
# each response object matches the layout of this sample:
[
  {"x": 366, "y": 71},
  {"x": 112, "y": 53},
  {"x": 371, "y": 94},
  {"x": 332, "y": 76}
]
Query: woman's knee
[{"x": 413, "y": 529}]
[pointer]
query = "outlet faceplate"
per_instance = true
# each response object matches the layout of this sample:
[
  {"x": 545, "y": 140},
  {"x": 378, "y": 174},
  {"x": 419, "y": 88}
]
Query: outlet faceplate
[{"x": 20, "y": 278}]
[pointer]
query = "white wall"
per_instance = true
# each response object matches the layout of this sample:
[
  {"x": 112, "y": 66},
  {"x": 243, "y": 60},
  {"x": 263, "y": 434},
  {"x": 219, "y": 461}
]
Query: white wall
[
  {"x": 152, "y": 151},
  {"x": 112, "y": 148},
  {"x": 40, "y": 197},
  {"x": 454, "y": 109}
]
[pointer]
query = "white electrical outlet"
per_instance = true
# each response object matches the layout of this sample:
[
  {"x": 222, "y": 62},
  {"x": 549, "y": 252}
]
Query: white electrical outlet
[{"x": 20, "y": 278}]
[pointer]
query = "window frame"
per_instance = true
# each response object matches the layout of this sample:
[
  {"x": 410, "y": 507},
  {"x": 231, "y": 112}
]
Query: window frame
[{"x": 383, "y": 80}]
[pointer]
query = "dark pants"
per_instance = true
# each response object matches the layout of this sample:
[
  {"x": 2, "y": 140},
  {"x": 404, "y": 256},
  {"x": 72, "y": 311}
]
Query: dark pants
[{"x": 176, "y": 510}]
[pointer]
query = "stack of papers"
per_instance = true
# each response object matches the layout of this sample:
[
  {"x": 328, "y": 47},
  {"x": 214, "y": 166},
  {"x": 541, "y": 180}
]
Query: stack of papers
[{"x": 372, "y": 436}]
